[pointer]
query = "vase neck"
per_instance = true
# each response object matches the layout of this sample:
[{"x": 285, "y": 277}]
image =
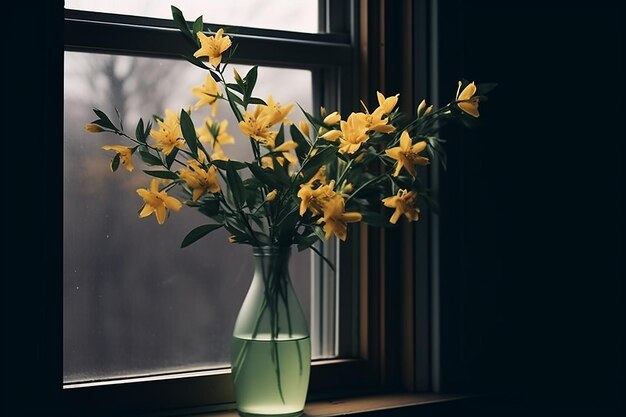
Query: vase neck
[{"x": 271, "y": 262}]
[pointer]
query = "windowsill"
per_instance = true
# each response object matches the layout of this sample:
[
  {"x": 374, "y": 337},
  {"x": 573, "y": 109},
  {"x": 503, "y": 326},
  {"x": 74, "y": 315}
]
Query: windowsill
[{"x": 391, "y": 403}]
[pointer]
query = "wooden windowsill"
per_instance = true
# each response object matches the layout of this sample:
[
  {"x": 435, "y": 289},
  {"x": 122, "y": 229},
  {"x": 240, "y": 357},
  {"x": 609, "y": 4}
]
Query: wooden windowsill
[{"x": 368, "y": 404}]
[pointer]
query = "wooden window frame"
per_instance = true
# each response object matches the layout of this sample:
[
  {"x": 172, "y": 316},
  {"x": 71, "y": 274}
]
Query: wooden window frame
[{"x": 392, "y": 274}]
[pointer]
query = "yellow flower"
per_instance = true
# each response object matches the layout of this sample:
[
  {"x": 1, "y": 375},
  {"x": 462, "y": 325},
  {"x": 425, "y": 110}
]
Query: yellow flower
[
  {"x": 315, "y": 199},
  {"x": 353, "y": 134},
  {"x": 169, "y": 135},
  {"x": 274, "y": 112},
  {"x": 157, "y": 202},
  {"x": 199, "y": 179},
  {"x": 335, "y": 218},
  {"x": 93, "y": 128},
  {"x": 257, "y": 128},
  {"x": 284, "y": 154},
  {"x": 407, "y": 155},
  {"x": 213, "y": 47},
  {"x": 404, "y": 203},
  {"x": 386, "y": 105},
  {"x": 466, "y": 100},
  {"x": 375, "y": 121},
  {"x": 205, "y": 133},
  {"x": 208, "y": 93},
  {"x": 125, "y": 153}
]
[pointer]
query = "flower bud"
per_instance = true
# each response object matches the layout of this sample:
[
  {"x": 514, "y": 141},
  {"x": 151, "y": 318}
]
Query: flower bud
[
  {"x": 421, "y": 108},
  {"x": 332, "y": 119},
  {"x": 237, "y": 76},
  {"x": 346, "y": 189},
  {"x": 93, "y": 128},
  {"x": 271, "y": 195},
  {"x": 331, "y": 135},
  {"x": 304, "y": 128}
]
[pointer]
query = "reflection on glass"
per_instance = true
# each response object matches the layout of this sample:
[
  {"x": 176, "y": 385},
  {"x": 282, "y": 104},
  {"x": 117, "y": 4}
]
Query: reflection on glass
[
  {"x": 134, "y": 302},
  {"x": 294, "y": 15}
]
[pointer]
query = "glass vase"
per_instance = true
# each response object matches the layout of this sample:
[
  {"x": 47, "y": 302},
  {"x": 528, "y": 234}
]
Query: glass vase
[{"x": 271, "y": 349}]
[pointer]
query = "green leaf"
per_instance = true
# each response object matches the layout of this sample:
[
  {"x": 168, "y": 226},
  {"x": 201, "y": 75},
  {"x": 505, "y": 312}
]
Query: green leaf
[
  {"x": 286, "y": 227},
  {"x": 252, "y": 183},
  {"x": 140, "y": 132},
  {"x": 197, "y": 27},
  {"x": 266, "y": 176},
  {"x": 485, "y": 88},
  {"x": 235, "y": 87},
  {"x": 237, "y": 99},
  {"x": 323, "y": 157},
  {"x": 235, "y": 186},
  {"x": 169, "y": 159},
  {"x": 303, "y": 144},
  {"x": 221, "y": 164},
  {"x": 233, "y": 106},
  {"x": 198, "y": 63},
  {"x": 147, "y": 131},
  {"x": 209, "y": 207},
  {"x": 250, "y": 82},
  {"x": 198, "y": 232},
  {"x": 315, "y": 123},
  {"x": 189, "y": 132},
  {"x": 148, "y": 158},
  {"x": 319, "y": 233},
  {"x": 280, "y": 137},
  {"x": 252, "y": 195},
  {"x": 104, "y": 120},
  {"x": 279, "y": 172},
  {"x": 256, "y": 100},
  {"x": 257, "y": 220},
  {"x": 115, "y": 162},
  {"x": 157, "y": 118},
  {"x": 305, "y": 242},
  {"x": 168, "y": 175},
  {"x": 181, "y": 24}
]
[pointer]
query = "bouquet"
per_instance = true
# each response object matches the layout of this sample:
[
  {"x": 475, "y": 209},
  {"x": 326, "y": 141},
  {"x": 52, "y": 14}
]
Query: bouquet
[{"x": 307, "y": 181}]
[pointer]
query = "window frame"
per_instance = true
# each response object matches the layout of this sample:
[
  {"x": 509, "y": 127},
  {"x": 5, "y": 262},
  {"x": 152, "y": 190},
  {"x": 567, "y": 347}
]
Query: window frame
[
  {"x": 394, "y": 346},
  {"x": 96, "y": 32}
]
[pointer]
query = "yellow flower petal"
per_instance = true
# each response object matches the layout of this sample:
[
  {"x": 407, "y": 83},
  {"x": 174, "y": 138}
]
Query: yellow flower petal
[
  {"x": 466, "y": 100},
  {"x": 93, "y": 128}
]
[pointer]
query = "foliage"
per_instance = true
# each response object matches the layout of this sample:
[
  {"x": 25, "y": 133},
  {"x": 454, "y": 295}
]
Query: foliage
[{"x": 307, "y": 182}]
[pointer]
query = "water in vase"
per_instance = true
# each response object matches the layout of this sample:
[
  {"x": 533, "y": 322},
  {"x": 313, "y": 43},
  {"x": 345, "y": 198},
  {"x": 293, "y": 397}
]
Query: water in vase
[{"x": 271, "y": 376}]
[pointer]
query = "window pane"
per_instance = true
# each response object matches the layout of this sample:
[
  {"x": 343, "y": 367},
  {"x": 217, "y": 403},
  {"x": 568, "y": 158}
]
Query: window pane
[
  {"x": 134, "y": 302},
  {"x": 297, "y": 16}
]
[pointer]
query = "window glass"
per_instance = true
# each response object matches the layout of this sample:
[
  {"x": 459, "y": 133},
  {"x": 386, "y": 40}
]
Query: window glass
[
  {"x": 294, "y": 15},
  {"x": 135, "y": 303}
]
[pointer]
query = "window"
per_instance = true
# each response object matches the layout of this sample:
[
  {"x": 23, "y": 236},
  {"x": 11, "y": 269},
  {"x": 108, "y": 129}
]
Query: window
[
  {"x": 384, "y": 306},
  {"x": 296, "y": 16},
  {"x": 116, "y": 323},
  {"x": 135, "y": 303}
]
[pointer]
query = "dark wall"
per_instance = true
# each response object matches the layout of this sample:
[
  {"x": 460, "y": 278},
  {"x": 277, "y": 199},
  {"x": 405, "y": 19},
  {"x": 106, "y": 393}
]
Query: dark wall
[{"x": 533, "y": 217}]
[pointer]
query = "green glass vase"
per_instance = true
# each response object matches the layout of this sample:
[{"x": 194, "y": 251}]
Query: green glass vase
[{"x": 271, "y": 348}]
